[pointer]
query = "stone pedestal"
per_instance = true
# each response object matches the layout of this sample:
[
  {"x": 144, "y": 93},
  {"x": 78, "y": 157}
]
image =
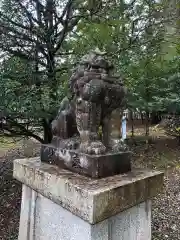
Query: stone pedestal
[
  {"x": 95, "y": 166},
  {"x": 60, "y": 205}
]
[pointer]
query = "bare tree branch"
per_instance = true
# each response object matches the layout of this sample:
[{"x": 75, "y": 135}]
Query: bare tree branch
[
  {"x": 36, "y": 33},
  {"x": 14, "y": 128},
  {"x": 29, "y": 15}
]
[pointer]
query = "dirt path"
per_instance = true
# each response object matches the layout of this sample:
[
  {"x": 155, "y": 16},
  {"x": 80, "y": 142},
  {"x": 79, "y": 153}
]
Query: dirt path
[
  {"x": 10, "y": 192},
  {"x": 10, "y": 199}
]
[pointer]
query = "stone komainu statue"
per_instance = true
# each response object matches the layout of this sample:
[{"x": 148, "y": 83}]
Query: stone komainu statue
[{"x": 98, "y": 98}]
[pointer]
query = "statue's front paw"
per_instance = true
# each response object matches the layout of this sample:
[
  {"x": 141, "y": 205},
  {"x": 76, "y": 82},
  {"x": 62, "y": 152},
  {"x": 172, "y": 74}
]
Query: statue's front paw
[
  {"x": 96, "y": 148},
  {"x": 119, "y": 145},
  {"x": 93, "y": 148}
]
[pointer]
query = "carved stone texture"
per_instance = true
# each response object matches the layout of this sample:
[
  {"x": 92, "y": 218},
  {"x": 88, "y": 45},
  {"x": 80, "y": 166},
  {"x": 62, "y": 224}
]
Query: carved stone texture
[
  {"x": 97, "y": 102},
  {"x": 97, "y": 94},
  {"x": 95, "y": 166}
]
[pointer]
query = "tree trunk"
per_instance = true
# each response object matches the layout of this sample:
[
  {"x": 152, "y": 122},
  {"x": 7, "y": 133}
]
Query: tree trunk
[
  {"x": 155, "y": 117},
  {"x": 47, "y": 131},
  {"x": 51, "y": 49},
  {"x": 52, "y": 76},
  {"x": 147, "y": 123},
  {"x": 132, "y": 124},
  {"x": 142, "y": 118}
]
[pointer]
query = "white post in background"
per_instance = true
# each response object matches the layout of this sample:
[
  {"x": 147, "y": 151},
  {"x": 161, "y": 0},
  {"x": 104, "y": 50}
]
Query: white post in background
[{"x": 123, "y": 127}]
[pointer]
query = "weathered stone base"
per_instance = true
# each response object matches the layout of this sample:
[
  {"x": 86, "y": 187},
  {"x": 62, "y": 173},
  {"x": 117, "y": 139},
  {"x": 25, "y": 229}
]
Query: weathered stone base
[
  {"x": 95, "y": 166},
  {"x": 60, "y": 205},
  {"x": 42, "y": 219}
]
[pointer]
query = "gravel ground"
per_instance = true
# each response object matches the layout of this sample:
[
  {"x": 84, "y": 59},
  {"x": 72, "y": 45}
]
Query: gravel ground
[
  {"x": 163, "y": 154},
  {"x": 166, "y": 207}
]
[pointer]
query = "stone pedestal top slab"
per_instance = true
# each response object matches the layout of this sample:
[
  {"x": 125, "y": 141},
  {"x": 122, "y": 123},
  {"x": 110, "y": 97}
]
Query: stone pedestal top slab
[{"x": 91, "y": 200}]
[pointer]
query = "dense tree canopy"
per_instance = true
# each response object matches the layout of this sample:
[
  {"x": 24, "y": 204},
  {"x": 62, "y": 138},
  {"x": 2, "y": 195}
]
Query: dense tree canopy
[{"x": 40, "y": 41}]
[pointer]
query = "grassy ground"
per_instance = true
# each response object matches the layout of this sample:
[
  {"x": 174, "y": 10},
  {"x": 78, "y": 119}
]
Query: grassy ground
[
  {"x": 162, "y": 152},
  {"x": 6, "y": 144}
]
